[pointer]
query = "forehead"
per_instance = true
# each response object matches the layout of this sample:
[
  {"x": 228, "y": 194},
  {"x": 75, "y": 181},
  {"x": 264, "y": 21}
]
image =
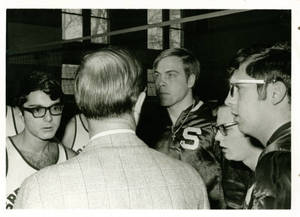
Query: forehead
[
  {"x": 224, "y": 115},
  {"x": 170, "y": 63},
  {"x": 240, "y": 73},
  {"x": 38, "y": 97}
]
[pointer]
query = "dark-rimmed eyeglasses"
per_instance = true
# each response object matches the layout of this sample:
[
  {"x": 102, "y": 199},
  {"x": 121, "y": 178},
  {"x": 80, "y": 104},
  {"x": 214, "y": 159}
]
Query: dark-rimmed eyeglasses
[
  {"x": 39, "y": 112},
  {"x": 223, "y": 128},
  {"x": 234, "y": 84}
]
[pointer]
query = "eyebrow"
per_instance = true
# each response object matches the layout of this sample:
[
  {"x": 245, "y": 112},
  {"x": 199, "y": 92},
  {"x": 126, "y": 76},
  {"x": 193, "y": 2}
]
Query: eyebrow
[
  {"x": 172, "y": 70},
  {"x": 168, "y": 71},
  {"x": 39, "y": 105}
]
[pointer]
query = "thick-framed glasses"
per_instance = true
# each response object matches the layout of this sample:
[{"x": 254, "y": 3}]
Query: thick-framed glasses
[
  {"x": 223, "y": 128},
  {"x": 234, "y": 84},
  {"x": 39, "y": 112}
]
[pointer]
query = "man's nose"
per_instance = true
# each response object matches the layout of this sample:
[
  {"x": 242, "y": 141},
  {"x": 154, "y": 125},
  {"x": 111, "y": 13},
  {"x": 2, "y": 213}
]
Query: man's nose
[
  {"x": 219, "y": 136},
  {"x": 48, "y": 116},
  {"x": 228, "y": 100},
  {"x": 160, "y": 81},
  {"x": 231, "y": 101}
]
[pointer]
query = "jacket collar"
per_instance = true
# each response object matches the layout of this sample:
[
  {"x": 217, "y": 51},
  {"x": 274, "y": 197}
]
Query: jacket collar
[
  {"x": 280, "y": 140},
  {"x": 281, "y": 131}
]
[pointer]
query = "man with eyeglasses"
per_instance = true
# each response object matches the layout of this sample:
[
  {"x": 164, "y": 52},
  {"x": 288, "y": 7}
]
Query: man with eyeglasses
[
  {"x": 235, "y": 145},
  {"x": 260, "y": 100},
  {"x": 36, "y": 146},
  {"x": 240, "y": 153}
]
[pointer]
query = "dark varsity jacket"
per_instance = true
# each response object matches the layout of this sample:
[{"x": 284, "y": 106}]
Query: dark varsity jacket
[{"x": 191, "y": 139}]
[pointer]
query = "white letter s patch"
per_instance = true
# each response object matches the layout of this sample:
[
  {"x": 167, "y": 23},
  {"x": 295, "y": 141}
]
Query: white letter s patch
[{"x": 188, "y": 136}]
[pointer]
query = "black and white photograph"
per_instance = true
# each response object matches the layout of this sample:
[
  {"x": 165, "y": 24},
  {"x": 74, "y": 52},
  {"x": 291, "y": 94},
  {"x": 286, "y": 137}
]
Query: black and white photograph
[{"x": 150, "y": 108}]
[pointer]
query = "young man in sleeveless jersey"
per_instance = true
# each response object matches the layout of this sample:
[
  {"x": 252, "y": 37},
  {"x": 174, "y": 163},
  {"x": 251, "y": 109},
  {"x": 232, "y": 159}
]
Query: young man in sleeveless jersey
[{"x": 36, "y": 146}]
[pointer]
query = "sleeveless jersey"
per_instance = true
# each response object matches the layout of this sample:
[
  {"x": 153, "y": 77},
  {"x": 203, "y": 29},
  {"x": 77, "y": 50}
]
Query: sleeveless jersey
[
  {"x": 81, "y": 135},
  {"x": 14, "y": 123},
  {"x": 191, "y": 139},
  {"x": 18, "y": 169}
]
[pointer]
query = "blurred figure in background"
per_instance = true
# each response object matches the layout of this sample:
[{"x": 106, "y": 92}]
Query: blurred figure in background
[
  {"x": 14, "y": 121},
  {"x": 76, "y": 134}
]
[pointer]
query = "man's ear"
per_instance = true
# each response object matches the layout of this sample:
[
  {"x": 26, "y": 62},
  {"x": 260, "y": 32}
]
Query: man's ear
[
  {"x": 138, "y": 106},
  {"x": 191, "y": 80},
  {"x": 279, "y": 92}
]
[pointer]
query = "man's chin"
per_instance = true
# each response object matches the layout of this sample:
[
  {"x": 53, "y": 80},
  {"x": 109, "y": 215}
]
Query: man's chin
[
  {"x": 47, "y": 137},
  {"x": 167, "y": 105},
  {"x": 230, "y": 157},
  {"x": 164, "y": 100},
  {"x": 164, "y": 103}
]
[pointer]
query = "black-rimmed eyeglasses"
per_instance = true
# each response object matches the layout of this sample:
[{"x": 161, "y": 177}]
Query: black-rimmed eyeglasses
[
  {"x": 223, "y": 128},
  {"x": 39, "y": 112}
]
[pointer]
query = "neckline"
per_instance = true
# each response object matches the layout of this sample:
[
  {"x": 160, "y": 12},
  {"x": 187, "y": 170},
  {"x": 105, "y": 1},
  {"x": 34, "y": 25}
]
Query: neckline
[
  {"x": 111, "y": 132},
  {"x": 25, "y": 159},
  {"x": 183, "y": 115},
  {"x": 187, "y": 113}
]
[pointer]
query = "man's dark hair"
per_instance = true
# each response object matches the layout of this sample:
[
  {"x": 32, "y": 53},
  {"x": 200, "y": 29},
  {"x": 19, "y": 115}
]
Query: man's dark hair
[
  {"x": 39, "y": 80},
  {"x": 266, "y": 63}
]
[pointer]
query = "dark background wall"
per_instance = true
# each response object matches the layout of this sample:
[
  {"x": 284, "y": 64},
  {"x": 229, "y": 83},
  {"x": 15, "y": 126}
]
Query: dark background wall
[{"x": 214, "y": 41}]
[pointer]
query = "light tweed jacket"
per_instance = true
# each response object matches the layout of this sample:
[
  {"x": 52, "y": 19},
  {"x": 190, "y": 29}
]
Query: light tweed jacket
[{"x": 113, "y": 172}]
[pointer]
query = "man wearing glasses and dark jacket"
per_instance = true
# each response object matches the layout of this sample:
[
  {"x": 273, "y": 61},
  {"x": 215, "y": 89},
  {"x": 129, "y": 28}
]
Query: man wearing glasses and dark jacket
[
  {"x": 260, "y": 100},
  {"x": 36, "y": 146}
]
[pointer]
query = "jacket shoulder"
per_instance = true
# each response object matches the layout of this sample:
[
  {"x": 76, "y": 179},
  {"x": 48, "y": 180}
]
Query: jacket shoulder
[{"x": 273, "y": 180}]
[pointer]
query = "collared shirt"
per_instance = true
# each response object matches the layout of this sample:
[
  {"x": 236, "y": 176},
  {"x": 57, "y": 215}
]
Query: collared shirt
[{"x": 111, "y": 132}]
